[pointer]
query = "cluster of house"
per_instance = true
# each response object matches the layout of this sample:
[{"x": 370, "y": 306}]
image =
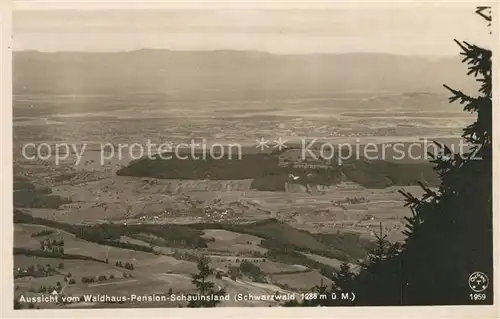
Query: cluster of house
[{"x": 216, "y": 213}]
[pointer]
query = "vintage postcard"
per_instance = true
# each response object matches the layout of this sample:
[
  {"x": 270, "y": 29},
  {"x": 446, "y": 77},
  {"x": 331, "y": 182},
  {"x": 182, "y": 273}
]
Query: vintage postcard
[{"x": 251, "y": 156}]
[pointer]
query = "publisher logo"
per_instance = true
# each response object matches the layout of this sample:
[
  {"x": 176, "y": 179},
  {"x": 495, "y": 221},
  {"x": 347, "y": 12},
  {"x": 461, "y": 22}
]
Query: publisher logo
[{"x": 478, "y": 281}]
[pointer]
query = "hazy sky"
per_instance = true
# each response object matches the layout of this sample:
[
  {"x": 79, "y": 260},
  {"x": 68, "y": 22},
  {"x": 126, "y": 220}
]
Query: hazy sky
[{"x": 425, "y": 29}]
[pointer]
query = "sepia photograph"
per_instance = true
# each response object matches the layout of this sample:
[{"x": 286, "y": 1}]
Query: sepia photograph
[{"x": 253, "y": 155}]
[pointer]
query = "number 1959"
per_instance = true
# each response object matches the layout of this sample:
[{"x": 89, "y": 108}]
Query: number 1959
[{"x": 477, "y": 296}]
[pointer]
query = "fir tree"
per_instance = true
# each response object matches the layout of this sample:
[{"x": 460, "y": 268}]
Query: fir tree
[
  {"x": 449, "y": 235},
  {"x": 343, "y": 277},
  {"x": 205, "y": 287}
]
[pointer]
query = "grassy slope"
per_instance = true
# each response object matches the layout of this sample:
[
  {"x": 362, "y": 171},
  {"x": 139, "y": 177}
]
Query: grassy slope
[
  {"x": 284, "y": 238},
  {"x": 109, "y": 234},
  {"x": 285, "y": 243}
]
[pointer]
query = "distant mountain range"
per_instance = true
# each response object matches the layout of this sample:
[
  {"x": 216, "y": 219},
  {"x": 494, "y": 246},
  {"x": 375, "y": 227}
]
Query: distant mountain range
[{"x": 239, "y": 74}]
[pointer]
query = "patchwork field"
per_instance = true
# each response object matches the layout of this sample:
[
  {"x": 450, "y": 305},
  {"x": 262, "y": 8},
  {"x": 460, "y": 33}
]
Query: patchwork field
[
  {"x": 161, "y": 272},
  {"x": 127, "y": 235},
  {"x": 162, "y": 227},
  {"x": 148, "y": 201},
  {"x": 231, "y": 242}
]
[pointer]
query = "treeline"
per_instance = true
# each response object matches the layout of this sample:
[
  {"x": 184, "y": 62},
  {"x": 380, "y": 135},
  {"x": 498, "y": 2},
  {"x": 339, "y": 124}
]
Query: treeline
[
  {"x": 252, "y": 271},
  {"x": 177, "y": 236},
  {"x": 35, "y": 199},
  {"x": 275, "y": 180},
  {"x": 125, "y": 265},
  {"x": 183, "y": 255},
  {"x": 51, "y": 254},
  {"x": 42, "y": 233},
  {"x": 49, "y": 289},
  {"x": 37, "y": 271},
  {"x": 94, "y": 279},
  {"x": 382, "y": 174},
  {"x": 270, "y": 183},
  {"x": 281, "y": 239},
  {"x": 245, "y": 268},
  {"x": 26, "y": 195},
  {"x": 278, "y": 246},
  {"x": 349, "y": 243},
  {"x": 109, "y": 234},
  {"x": 225, "y": 168},
  {"x": 268, "y": 176},
  {"x": 53, "y": 246},
  {"x": 278, "y": 235},
  {"x": 349, "y": 200},
  {"x": 295, "y": 258}
]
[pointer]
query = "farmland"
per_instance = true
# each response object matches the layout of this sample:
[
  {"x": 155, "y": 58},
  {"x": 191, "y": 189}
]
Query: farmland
[
  {"x": 135, "y": 225},
  {"x": 88, "y": 266}
]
